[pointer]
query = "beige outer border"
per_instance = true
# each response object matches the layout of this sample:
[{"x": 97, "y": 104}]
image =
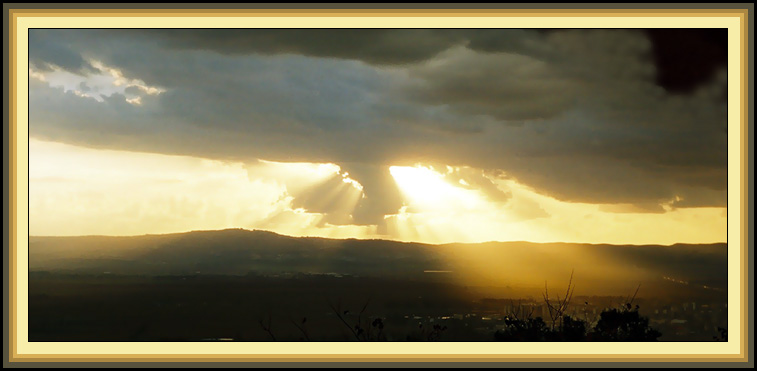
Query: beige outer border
[{"x": 734, "y": 350}]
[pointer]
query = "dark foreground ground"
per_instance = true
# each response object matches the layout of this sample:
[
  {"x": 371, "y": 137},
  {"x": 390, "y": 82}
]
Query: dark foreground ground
[{"x": 312, "y": 307}]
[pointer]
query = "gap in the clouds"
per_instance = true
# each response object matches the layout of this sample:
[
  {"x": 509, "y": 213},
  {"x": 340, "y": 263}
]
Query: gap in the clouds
[{"x": 100, "y": 83}]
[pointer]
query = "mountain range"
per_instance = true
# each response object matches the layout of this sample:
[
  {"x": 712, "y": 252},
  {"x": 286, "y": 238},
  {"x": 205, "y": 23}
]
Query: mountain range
[{"x": 598, "y": 269}]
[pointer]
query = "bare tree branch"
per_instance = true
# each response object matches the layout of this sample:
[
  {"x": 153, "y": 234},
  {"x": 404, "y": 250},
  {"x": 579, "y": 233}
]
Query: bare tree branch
[{"x": 267, "y": 328}]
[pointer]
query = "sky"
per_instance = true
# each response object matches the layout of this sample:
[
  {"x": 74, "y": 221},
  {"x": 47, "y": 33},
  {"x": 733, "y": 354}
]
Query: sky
[{"x": 456, "y": 135}]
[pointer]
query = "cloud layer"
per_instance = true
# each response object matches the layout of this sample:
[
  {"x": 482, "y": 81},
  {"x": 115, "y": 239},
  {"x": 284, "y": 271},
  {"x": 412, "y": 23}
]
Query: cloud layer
[{"x": 579, "y": 115}]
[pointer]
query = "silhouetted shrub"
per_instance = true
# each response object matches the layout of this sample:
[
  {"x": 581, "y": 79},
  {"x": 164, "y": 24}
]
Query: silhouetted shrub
[
  {"x": 722, "y": 336},
  {"x": 364, "y": 328},
  {"x": 623, "y": 325},
  {"x": 614, "y": 324},
  {"x": 530, "y": 329},
  {"x": 535, "y": 329},
  {"x": 572, "y": 330},
  {"x": 427, "y": 333}
]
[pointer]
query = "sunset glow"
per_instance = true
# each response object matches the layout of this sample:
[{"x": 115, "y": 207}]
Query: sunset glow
[{"x": 79, "y": 191}]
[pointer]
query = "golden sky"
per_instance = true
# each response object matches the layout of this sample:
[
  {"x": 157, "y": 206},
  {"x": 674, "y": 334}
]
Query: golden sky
[
  {"x": 602, "y": 136},
  {"x": 81, "y": 191}
]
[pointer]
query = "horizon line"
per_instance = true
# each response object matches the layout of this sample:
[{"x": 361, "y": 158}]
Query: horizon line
[{"x": 377, "y": 239}]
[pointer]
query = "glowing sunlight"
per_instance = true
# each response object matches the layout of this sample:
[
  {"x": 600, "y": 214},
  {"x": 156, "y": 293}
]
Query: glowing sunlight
[{"x": 427, "y": 190}]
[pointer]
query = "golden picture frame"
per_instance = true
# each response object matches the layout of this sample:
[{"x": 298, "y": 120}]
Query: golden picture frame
[{"x": 21, "y": 19}]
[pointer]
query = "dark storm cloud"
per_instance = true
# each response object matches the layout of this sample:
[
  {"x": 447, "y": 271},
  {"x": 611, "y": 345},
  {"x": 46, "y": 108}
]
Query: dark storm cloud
[
  {"x": 375, "y": 46},
  {"x": 685, "y": 59},
  {"x": 576, "y": 114},
  {"x": 46, "y": 50},
  {"x": 540, "y": 77},
  {"x": 507, "y": 87}
]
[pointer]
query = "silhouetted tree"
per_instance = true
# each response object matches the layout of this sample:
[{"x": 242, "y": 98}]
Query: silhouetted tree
[{"x": 557, "y": 309}]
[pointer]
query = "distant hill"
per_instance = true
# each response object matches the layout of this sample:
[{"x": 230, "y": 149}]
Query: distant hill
[{"x": 600, "y": 269}]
